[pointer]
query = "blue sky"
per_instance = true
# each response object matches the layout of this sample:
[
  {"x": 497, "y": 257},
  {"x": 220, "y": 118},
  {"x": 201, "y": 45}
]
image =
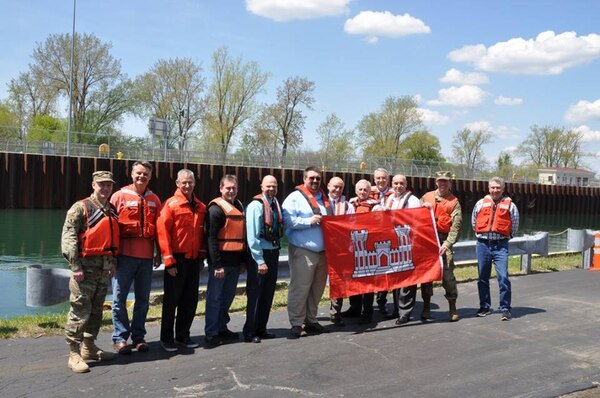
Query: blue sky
[{"x": 503, "y": 65}]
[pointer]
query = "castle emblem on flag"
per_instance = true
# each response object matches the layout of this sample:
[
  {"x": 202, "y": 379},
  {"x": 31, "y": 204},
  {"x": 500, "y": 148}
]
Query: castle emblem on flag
[{"x": 383, "y": 259}]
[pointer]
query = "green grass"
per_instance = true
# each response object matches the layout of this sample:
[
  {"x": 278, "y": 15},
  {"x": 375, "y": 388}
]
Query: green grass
[{"x": 52, "y": 324}]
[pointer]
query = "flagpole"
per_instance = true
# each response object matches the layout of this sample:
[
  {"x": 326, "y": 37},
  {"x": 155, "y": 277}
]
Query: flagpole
[{"x": 71, "y": 83}]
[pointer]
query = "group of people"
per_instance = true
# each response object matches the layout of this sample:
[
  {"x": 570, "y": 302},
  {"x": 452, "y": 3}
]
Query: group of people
[{"x": 124, "y": 236}]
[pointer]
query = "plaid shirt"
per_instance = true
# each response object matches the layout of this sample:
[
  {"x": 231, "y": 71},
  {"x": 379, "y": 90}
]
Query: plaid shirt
[{"x": 514, "y": 217}]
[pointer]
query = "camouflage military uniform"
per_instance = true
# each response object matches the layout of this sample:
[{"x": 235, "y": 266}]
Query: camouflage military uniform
[{"x": 87, "y": 296}]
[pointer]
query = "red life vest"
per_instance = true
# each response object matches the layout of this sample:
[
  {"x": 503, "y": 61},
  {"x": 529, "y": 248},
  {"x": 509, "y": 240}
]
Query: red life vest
[
  {"x": 312, "y": 201},
  {"x": 181, "y": 228},
  {"x": 402, "y": 203},
  {"x": 138, "y": 216},
  {"x": 442, "y": 210},
  {"x": 494, "y": 217},
  {"x": 363, "y": 206},
  {"x": 232, "y": 237},
  {"x": 268, "y": 233},
  {"x": 101, "y": 236}
]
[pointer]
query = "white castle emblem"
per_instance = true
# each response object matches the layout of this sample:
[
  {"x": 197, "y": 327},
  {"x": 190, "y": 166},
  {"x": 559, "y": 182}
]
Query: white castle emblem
[{"x": 384, "y": 259}]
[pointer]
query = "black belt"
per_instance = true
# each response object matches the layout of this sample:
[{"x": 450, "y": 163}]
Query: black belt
[{"x": 483, "y": 240}]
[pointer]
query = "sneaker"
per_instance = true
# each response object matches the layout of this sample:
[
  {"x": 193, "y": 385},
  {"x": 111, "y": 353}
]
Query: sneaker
[
  {"x": 506, "y": 315},
  {"x": 187, "y": 343},
  {"x": 213, "y": 341},
  {"x": 402, "y": 320},
  {"x": 168, "y": 346},
  {"x": 484, "y": 312}
]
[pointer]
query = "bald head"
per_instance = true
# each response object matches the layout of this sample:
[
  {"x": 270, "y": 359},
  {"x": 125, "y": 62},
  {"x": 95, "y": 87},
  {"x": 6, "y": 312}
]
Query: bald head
[
  {"x": 335, "y": 187},
  {"x": 268, "y": 186}
]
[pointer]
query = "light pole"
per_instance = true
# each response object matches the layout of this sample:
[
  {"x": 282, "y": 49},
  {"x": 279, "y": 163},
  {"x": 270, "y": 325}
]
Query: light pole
[{"x": 71, "y": 83}]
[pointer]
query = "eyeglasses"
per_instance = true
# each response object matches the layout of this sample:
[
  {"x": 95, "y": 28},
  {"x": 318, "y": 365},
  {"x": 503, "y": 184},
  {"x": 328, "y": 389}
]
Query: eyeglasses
[{"x": 314, "y": 178}]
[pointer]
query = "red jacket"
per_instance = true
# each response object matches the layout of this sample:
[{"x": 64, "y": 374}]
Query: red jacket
[
  {"x": 138, "y": 214},
  {"x": 181, "y": 229}
]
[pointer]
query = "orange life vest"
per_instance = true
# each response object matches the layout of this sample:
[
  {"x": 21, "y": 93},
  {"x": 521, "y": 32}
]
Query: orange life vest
[
  {"x": 389, "y": 203},
  {"x": 341, "y": 206},
  {"x": 138, "y": 216},
  {"x": 312, "y": 201},
  {"x": 101, "y": 236},
  {"x": 494, "y": 217},
  {"x": 181, "y": 228},
  {"x": 376, "y": 193},
  {"x": 442, "y": 210},
  {"x": 268, "y": 233},
  {"x": 363, "y": 206},
  {"x": 232, "y": 237}
]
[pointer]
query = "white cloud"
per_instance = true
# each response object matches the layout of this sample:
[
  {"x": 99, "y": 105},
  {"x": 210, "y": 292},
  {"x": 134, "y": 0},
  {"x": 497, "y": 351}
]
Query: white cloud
[
  {"x": 432, "y": 117},
  {"x": 508, "y": 101},
  {"x": 547, "y": 54},
  {"x": 501, "y": 132},
  {"x": 463, "y": 96},
  {"x": 287, "y": 10},
  {"x": 583, "y": 111},
  {"x": 587, "y": 133},
  {"x": 479, "y": 126},
  {"x": 374, "y": 24},
  {"x": 454, "y": 76}
]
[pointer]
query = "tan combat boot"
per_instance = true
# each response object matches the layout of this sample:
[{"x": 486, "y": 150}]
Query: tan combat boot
[
  {"x": 426, "y": 313},
  {"x": 76, "y": 363},
  {"x": 453, "y": 312},
  {"x": 89, "y": 351}
]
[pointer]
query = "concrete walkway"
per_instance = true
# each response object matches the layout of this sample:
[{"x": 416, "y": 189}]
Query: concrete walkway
[{"x": 548, "y": 349}]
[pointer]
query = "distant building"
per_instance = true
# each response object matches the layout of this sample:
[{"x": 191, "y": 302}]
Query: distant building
[{"x": 565, "y": 176}]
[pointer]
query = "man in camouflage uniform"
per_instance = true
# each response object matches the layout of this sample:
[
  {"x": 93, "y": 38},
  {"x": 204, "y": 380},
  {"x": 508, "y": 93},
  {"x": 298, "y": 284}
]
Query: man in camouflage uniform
[{"x": 89, "y": 243}]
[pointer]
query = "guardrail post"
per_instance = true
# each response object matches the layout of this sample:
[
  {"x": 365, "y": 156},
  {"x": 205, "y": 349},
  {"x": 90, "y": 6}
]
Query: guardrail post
[{"x": 526, "y": 263}]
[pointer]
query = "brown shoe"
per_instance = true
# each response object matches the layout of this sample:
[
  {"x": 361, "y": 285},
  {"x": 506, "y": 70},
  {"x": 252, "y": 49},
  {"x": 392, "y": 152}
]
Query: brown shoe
[
  {"x": 122, "y": 348},
  {"x": 141, "y": 345},
  {"x": 90, "y": 351}
]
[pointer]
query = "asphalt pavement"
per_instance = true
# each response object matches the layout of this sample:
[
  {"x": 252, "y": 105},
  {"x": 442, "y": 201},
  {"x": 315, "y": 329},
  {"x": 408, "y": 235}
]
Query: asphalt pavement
[{"x": 549, "y": 348}]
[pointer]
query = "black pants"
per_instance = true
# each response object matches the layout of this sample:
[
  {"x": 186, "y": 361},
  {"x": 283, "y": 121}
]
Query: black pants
[
  {"x": 181, "y": 295},
  {"x": 362, "y": 303},
  {"x": 260, "y": 289},
  {"x": 404, "y": 300}
]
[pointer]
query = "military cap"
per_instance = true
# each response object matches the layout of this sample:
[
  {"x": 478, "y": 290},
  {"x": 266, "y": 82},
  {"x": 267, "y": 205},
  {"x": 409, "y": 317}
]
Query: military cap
[
  {"x": 103, "y": 176},
  {"x": 443, "y": 175}
]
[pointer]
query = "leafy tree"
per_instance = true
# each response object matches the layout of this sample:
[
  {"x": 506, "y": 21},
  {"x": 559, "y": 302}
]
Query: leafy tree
[
  {"x": 28, "y": 97},
  {"x": 47, "y": 128},
  {"x": 422, "y": 146},
  {"x": 231, "y": 96},
  {"x": 284, "y": 118},
  {"x": 336, "y": 142},
  {"x": 172, "y": 90},
  {"x": 382, "y": 132},
  {"x": 548, "y": 146},
  {"x": 8, "y": 123},
  {"x": 95, "y": 74},
  {"x": 504, "y": 166},
  {"x": 467, "y": 149}
]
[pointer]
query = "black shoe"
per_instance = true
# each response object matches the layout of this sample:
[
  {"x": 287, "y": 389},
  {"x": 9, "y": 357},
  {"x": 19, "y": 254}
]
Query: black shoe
[
  {"x": 266, "y": 335},
  {"x": 382, "y": 309},
  {"x": 337, "y": 320},
  {"x": 229, "y": 335},
  {"x": 402, "y": 320},
  {"x": 351, "y": 313},
  {"x": 484, "y": 312},
  {"x": 315, "y": 328},
  {"x": 168, "y": 346},
  {"x": 506, "y": 315},
  {"x": 254, "y": 339},
  {"x": 393, "y": 315},
  {"x": 365, "y": 319},
  {"x": 187, "y": 343},
  {"x": 297, "y": 332},
  {"x": 213, "y": 341}
]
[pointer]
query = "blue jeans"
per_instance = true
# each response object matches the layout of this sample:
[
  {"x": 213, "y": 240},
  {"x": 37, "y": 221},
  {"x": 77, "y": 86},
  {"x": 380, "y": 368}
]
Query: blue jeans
[
  {"x": 496, "y": 251},
  {"x": 219, "y": 296},
  {"x": 138, "y": 271}
]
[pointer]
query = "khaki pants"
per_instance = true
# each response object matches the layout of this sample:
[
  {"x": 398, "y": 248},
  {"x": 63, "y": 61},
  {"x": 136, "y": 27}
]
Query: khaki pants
[
  {"x": 448, "y": 280},
  {"x": 308, "y": 276}
]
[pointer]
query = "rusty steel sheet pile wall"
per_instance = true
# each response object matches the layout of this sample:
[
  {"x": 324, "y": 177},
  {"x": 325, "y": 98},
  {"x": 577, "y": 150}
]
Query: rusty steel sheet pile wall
[{"x": 54, "y": 182}]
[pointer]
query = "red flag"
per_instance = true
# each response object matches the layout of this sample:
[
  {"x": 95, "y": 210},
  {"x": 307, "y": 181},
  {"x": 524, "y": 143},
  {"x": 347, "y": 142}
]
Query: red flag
[{"x": 381, "y": 250}]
